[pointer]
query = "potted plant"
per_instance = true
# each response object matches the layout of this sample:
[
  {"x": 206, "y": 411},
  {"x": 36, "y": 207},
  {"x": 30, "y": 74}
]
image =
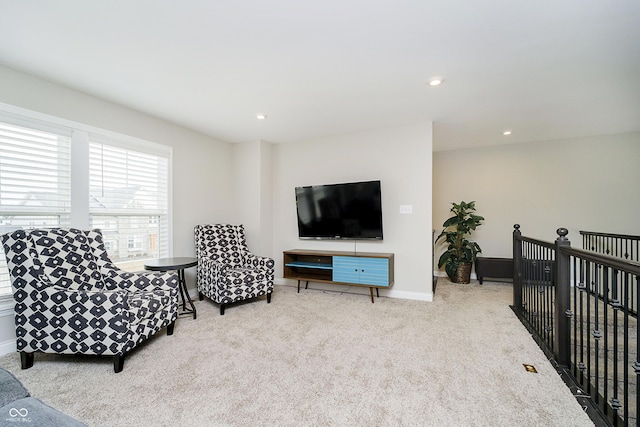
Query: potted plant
[{"x": 461, "y": 253}]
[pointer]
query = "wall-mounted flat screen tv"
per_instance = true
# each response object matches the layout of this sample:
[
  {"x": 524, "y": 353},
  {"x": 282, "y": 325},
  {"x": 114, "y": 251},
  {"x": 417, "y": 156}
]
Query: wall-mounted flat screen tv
[{"x": 350, "y": 210}]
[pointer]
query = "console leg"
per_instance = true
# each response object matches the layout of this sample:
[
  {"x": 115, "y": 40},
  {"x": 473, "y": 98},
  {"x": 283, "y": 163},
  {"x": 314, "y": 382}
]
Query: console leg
[
  {"x": 306, "y": 285},
  {"x": 371, "y": 292},
  {"x": 298, "y": 286}
]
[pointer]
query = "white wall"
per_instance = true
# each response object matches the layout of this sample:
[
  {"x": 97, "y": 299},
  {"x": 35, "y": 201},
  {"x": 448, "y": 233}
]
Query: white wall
[
  {"x": 580, "y": 184},
  {"x": 252, "y": 192},
  {"x": 401, "y": 159},
  {"x": 202, "y": 190},
  {"x": 201, "y": 164}
]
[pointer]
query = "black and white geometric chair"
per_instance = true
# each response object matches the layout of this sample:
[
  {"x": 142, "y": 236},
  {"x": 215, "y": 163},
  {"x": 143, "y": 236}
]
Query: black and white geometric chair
[
  {"x": 227, "y": 271},
  {"x": 71, "y": 299}
]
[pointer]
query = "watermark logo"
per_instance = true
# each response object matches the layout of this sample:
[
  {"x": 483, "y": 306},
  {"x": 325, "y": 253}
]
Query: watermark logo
[
  {"x": 22, "y": 412},
  {"x": 18, "y": 415}
]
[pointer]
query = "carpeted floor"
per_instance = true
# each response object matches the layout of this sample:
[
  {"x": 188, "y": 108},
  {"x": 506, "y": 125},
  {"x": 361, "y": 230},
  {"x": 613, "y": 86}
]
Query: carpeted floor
[{"x": 322, "y": 358}]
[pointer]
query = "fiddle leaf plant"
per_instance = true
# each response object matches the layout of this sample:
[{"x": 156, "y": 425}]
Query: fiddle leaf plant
[{"x": 460, "y": 250}]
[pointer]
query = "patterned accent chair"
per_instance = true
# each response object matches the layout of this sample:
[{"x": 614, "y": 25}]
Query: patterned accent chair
[
  {"x": 227, "y": 270},
  {"x": 70, "y": 298}
]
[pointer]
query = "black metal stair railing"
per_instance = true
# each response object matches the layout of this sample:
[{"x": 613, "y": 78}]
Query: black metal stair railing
[
  {"x": 578, "y": 306},
  {"x": 537, "y": 289},
  {"x": 623, "y": 246}
]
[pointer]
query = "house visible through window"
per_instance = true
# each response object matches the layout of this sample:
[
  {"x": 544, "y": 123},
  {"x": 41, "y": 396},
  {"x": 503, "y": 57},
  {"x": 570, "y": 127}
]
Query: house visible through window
[
  {"x": 127, "y": 180},
  {"x": 129, "y": 202}
]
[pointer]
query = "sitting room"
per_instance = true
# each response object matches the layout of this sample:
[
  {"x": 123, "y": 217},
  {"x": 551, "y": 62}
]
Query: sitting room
[{"x": 143, "y": 129}]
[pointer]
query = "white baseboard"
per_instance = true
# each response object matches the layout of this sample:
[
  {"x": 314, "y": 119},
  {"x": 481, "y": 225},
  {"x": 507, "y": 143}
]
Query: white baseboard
[
  {"x": 417, "y": 296},
  {"x": 444, "y": 274},
  {"x": 7, "y": 347}
]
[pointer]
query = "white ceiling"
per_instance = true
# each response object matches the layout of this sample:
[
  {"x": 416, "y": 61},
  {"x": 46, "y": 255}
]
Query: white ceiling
[{"x": 548, "y": 69}]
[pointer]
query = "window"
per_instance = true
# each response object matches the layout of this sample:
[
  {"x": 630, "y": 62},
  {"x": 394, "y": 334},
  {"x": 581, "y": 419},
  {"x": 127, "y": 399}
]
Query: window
[
  {"x": 129, "y": 202},
  {"x": 35, "y": 181},
  {"x": 127, "y": 181}
]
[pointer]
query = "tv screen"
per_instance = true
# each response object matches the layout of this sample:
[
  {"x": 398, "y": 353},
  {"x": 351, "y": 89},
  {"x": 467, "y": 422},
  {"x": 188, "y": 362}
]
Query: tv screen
[{"x": 340, "y": 211}]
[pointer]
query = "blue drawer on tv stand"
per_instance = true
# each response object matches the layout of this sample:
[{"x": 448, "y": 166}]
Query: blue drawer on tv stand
[{"x": 361, "y": 270}]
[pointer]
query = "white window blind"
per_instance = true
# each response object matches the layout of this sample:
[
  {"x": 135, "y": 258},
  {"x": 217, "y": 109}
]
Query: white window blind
[
  {"x": 127, "y": 178},
  {"x": 129, "y": 202},
  {"x": 35, "y": 181}
]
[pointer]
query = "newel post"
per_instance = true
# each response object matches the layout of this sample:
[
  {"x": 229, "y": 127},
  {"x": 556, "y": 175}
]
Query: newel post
[
  {"x": 562, "y": 344},
  {"x": 517, "y": 274}
]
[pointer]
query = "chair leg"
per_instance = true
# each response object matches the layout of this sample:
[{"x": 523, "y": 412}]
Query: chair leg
[
  {"x": 170, "y": 328},
  {"x": 118, "y": 363},
  {"x": 200, "y": 296},
  {"x": 269, "y": 298},
  {"x": 26, "y": 360},
  {"x": 221, "y": 309}
]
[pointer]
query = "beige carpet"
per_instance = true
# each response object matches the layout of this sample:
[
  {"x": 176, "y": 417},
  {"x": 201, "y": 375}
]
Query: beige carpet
[{"x": 322, "y": 359}]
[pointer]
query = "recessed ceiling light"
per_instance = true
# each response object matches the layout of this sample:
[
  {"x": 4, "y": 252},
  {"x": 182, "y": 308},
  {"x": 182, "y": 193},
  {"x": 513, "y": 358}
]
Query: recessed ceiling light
[
  {"x": 435, "y": 80},
  {"x": 261, "y": 116},
  {"x": 507, "y": 132}
]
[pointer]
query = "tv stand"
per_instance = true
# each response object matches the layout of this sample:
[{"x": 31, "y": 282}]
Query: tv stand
[{"x": 367, "y": 269}]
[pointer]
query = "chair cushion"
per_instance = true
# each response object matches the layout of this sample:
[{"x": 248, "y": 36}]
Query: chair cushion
[{"x": 67, "y": 258}]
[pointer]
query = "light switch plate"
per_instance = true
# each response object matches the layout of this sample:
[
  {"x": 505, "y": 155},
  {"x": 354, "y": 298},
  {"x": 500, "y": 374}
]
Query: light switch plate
[{"x": 406, "y": 209}]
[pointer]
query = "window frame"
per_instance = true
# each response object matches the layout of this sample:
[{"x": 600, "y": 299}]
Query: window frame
[
  {"x": 143, "y": 214},
  {"x": 81, "y": 134}
]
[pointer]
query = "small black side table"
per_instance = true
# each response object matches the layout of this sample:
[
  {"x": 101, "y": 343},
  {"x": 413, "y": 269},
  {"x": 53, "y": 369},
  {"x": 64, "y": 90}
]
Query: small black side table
[{"x": 177, "y": 264}]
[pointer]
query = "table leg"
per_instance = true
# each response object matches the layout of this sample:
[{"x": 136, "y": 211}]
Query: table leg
[{"x": 182, "y": 285}]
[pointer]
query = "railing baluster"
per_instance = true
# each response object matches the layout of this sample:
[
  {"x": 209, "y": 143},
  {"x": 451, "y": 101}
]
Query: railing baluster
[
  {"x": 605, "y": 333},
  {"x": 636, "y": 364},
  {"x": 596, "y": 332},
  {"x": 616, "y": 404},
  {"x": 581, "y": 290},
  {"x": 591, "y": 287},
  {"x": 625, "y": 360}
]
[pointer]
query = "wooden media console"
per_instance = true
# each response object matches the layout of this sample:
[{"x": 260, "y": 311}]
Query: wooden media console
[{"x": 368, "y": 269}]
